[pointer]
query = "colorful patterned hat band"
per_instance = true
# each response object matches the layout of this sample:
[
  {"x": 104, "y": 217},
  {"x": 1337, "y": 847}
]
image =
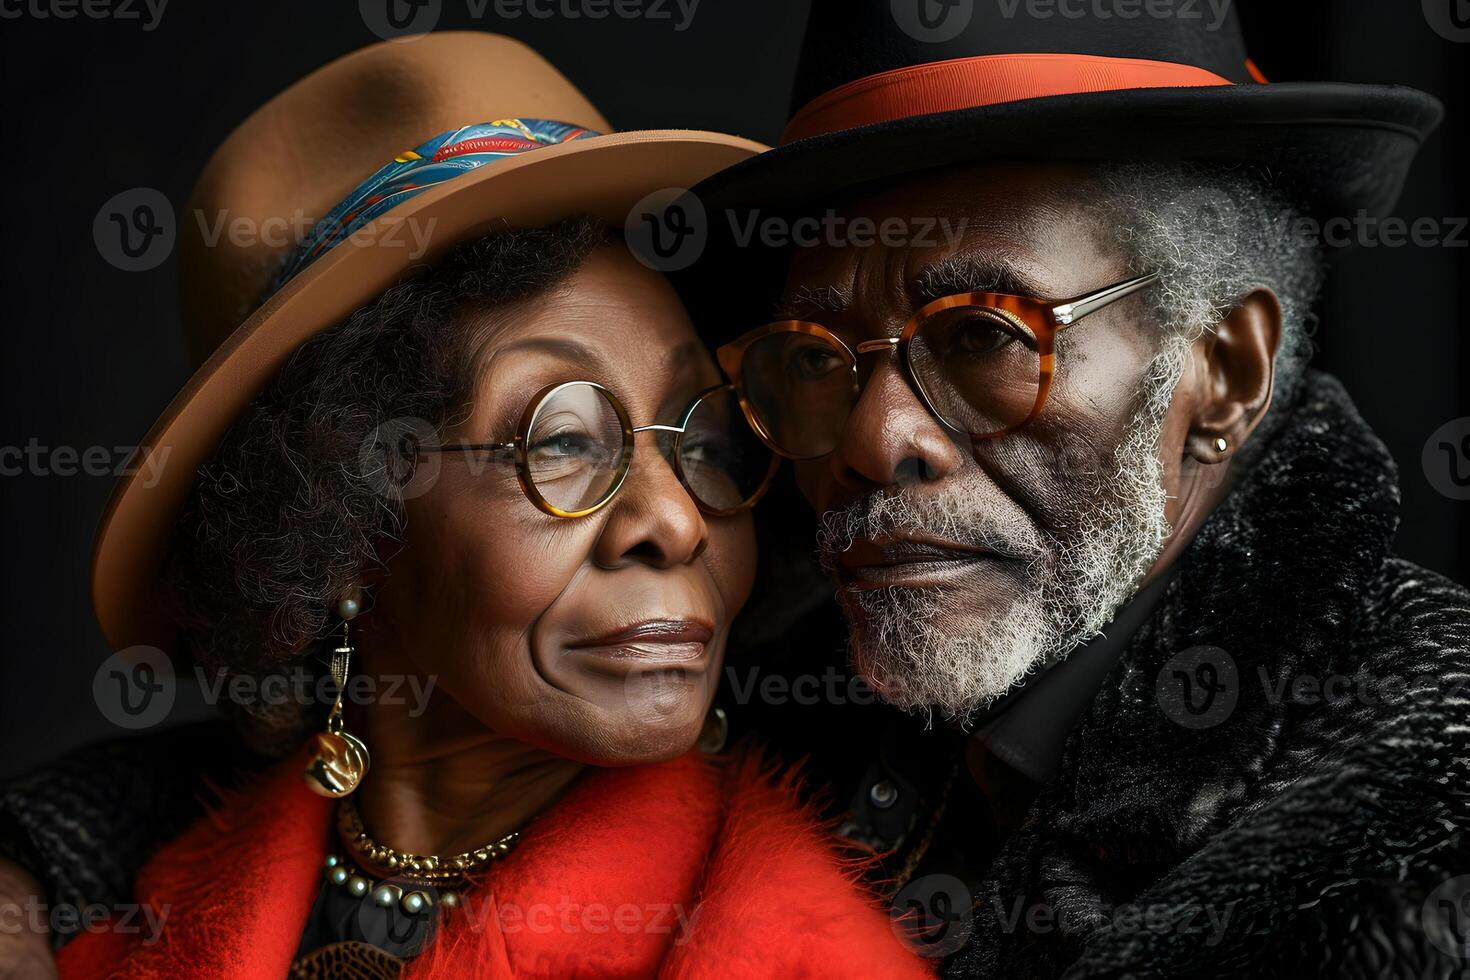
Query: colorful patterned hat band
[{"x": 442, "y": 158}]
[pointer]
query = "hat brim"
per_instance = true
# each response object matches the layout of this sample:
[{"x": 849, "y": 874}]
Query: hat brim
[
  {"x": 604, "y": 176},
  {"x": 1339, "y": 148},
  {"x": 1343, "y": 148}
]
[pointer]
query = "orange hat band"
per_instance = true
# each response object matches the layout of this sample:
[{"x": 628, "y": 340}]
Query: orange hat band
[{"x": 992, "y": 79}]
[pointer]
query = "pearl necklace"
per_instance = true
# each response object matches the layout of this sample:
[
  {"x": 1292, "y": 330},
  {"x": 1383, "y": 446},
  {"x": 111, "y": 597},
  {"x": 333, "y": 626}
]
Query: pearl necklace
[{"x": 386, "y": 894}]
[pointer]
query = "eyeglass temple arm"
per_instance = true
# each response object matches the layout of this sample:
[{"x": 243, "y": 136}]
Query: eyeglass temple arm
[
  {"x": 503, "y": 447},
  {"x": 487, "y": 447},
  {"x": 1074, "y": 310}
]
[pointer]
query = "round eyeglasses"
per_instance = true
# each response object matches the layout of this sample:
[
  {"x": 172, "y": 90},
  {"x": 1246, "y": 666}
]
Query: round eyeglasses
[
  {"x": 574, "y": 446},
  {"x": 982, "y": 363}
]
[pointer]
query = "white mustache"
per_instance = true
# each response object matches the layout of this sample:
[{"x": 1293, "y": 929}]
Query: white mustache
[{"x": 961, "y": 515}]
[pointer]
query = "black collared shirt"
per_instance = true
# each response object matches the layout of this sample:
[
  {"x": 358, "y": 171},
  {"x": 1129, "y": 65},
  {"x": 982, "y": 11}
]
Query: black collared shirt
[
  {"x": 1028, "y": 729},
  {"x": 939, "y": 802}
]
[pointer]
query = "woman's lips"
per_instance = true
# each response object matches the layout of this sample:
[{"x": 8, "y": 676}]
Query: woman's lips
[
  {"x": 673, "y": 643},
  {"x": 908, "y": 561}
]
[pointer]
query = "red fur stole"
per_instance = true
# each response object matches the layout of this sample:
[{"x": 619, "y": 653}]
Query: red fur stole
[{"x": 687, "y": 869}]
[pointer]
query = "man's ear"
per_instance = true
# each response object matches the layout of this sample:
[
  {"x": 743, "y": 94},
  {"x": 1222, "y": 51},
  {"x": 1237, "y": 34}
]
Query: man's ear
[{"x": 1241, "y": 366}]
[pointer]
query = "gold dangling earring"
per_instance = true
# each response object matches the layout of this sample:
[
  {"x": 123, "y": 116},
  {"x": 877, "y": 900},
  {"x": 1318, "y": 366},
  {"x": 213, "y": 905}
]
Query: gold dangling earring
[
  {"x": 715, "y": 732},
  {"x": 341, "y": 760}
]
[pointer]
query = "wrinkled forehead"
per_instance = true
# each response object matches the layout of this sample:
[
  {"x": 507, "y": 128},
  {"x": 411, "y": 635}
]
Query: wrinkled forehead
[
  {"x": 612, "y": 321},
  {"x": 1024, "y": 229}
]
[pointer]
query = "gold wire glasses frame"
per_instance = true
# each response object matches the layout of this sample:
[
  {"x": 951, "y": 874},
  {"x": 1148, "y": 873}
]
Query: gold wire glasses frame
[
  {"x": 618, "y": 469},
  {"x": 1035, "y": 321}
]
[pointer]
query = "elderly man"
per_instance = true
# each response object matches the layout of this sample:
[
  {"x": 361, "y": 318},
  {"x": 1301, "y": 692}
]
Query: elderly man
[{"x": 1040, "y": 360}]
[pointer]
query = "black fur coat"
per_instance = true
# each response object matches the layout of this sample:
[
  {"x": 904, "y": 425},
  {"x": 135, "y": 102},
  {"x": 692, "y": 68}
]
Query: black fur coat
[{"x": 1292, "y": 800}]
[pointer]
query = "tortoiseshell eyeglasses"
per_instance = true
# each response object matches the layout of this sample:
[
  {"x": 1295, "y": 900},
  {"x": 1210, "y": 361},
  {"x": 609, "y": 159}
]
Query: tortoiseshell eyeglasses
[
  {"x": 574, "y": 446},
  {"x": 982, "y": 363}
]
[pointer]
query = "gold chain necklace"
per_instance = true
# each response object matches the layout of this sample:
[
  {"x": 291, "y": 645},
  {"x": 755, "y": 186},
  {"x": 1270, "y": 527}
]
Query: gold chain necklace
[
  {"x": 921, "y": 847},
  {"x": 388, "y": 862}
]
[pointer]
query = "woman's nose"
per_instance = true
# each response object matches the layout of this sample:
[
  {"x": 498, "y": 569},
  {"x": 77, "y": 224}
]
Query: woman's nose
[{"x": 653, "y": 518}]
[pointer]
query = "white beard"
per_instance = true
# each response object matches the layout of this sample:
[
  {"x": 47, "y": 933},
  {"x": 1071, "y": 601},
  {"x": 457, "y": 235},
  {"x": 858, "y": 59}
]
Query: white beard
[{"x": 915, "y": 646}]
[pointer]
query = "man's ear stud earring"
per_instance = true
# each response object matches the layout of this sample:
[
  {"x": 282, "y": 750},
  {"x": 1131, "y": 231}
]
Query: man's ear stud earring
[
  {"x": 340, "y": 760},
  {"x": 1221, "y": 445}
]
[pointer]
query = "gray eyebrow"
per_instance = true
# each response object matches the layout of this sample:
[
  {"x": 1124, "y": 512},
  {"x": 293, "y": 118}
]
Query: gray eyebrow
[
  {"x": 966, "y": 272},
  {"x": 565, "y": 348},
  {"x": 560, "y": 346},
  {"x": 678, "y": 357},
  {"x": 970, "y": 272},
  {"x": 808, "y": 300}
]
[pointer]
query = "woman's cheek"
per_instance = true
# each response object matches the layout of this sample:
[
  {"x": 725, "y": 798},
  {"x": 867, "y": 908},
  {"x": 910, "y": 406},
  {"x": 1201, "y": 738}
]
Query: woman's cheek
[
  {"x": 478, "y": 577},
  {"x": 510, "y": 560},
  {"x": 732, "y": 559}
]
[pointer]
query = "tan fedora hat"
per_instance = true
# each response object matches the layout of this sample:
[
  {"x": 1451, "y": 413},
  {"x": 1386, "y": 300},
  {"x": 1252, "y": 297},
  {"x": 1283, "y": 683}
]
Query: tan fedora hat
[{"x": 288, "y": 166}]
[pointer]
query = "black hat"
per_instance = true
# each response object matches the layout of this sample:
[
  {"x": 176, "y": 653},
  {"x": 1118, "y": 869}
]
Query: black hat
[{"x": 891, "y": 87}]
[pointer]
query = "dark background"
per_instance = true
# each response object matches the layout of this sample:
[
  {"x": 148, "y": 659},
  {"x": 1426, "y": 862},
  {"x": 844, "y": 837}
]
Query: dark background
[{"x": 91, "y": 354}]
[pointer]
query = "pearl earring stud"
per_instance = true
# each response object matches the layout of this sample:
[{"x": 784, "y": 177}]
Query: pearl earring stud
[{"x": 350, "y": 604}]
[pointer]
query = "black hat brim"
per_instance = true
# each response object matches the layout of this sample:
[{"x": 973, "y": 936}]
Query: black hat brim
[{"x": 1341, "y": 148}]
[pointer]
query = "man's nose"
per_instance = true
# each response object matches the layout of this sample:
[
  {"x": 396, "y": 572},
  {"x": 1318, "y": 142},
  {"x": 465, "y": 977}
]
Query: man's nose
[{"x": 890, "y": 437}]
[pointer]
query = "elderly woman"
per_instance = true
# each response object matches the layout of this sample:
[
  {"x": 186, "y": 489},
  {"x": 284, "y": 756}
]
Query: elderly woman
[{"x": 509, "y": 473}]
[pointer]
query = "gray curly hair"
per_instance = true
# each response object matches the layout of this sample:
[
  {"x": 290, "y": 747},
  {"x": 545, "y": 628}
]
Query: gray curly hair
[{"x": 1214, "y": 234}]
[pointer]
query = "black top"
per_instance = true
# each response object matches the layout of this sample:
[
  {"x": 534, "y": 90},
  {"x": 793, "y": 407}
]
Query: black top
[{"x": 340, "y": 916}]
